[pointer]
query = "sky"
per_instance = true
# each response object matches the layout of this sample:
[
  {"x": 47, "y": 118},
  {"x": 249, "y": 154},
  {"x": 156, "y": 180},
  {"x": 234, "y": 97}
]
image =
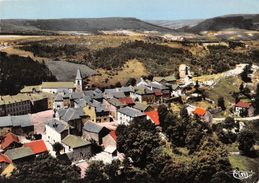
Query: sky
[{"x": 142, "y": 9}]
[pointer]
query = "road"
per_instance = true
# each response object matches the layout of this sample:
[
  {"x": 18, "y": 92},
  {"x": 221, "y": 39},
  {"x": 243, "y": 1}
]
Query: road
[{"x": 215, "y": 120}]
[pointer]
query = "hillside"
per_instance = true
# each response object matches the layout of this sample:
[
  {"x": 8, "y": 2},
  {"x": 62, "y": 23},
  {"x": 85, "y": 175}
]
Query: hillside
[
  {"x": 25, "y": 72},
  {"x": 16, "y": 26},
  {"x": 176, "y": 24},
  {"x": 241, "y": 21}
]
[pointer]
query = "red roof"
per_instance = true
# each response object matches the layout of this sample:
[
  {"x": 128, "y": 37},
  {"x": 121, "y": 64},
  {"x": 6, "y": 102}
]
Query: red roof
[
  {"x": 199, "y": 111},
  {"x": 113, "y": 134},
  {"x": 158, "y": 93},
  {"x": 243, "y": 104},
  {"x": 8, "y": 140},
  {"x": 153, "y": 115},
  {"x": 4, "y": 159},
  {"x": 37, "y": 146},
  {"x": 127, "y": 100}
]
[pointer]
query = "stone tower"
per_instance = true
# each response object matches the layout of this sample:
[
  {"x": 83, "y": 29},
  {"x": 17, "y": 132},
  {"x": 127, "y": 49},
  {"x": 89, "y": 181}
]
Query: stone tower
[{"x": 79, "y": 81}]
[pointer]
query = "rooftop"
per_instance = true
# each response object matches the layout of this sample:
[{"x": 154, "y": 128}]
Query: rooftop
[
  {"x": 57, "y": 125},
  {"x": 54, "y": 85},
  {"x": 75, "y": 141},
  {"x": 199, "y": 111},
  {"x": 243, "y": 104},
  {"x": 8, "y": 140},
  {"x": 131, "y": 112},
  {"x": 92, "y": 127},
  {"x": 153, "y": 115},
  {"x": 19, "y": 153},
  {"x": 37, "y": 146},
  {"x": 12, "y": 121}
]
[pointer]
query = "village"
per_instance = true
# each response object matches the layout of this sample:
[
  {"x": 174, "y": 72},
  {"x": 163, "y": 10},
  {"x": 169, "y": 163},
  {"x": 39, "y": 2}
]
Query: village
[{"x": 69, "y": 119}]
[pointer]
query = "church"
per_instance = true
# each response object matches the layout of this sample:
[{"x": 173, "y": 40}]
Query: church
[{"x": 57, "y": 87}]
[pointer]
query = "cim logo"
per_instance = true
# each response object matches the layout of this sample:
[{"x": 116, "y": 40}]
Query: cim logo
[{"x": 241, "y": 175}]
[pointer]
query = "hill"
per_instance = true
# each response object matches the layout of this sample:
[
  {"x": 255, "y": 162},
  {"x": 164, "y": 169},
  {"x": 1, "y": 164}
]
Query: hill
[
  {"x": 239, "y": 21},
  {"x": 50, "y": 26},
  {"x": 176, "y": 24}
]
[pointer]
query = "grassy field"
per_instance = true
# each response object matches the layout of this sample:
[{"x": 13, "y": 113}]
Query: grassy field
[{"x": 132, "y": 69}]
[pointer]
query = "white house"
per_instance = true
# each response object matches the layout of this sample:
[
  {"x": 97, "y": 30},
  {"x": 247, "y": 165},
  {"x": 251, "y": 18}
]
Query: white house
[
  {"x": 127, "y": 114},
  {"x": 56, "y": 130},
  {"x": 55, "y": 87}
]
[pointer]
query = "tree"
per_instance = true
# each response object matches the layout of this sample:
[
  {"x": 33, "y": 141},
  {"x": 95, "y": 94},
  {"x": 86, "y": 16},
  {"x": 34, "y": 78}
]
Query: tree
[
  {"x": 137, "y": 140},
  {"x": 221, "y": 103},
  {"x": 57, "y": 147},
  {"x": 246, "y": 140},
  {"x": 45, "y": 169},
  {"x": 245, "y": 74},
  {"x": 131, "y": 82},
  {"x": 96, "y": 173}
]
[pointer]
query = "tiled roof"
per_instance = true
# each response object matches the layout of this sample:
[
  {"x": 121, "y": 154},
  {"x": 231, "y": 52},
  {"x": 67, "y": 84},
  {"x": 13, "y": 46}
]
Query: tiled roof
[
  {"x": 37, "y": 146},
  {"x": 113, "y": 134},
  {"x": 166, "y": 78},
  {"x": 126, "y": 100},
  {"x": 140, "y": 106},
  {"x": 75, "y": 141},
  {"x": 143, "y": 91},
  {"x": 71, "y": 114},
  {"x": 131, "y": 112},
  {"x": 118, "y": 95},
  {"x": 115, "y": 102},
  {"x": 19, "y": 153},
  {"x": 154, "y": 117},
  {"x": 57, "y": 125},
  {"x": 199, "y": 111},
  {"x": 92, "y": 127},
  {"x": 4, "y": 159},
  {"x": 243, "y": 104},
  {"x": 54, "y": 85},
  {"x": 8, "y": 140},
  {"x": 158, "y": 86},
  {"x": 10, "y": 121}
]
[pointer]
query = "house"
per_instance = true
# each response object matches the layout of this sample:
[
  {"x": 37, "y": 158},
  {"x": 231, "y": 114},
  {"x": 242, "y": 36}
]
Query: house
[
  {"x": 112, "y": 105},
  {"x": 8, "y": 170},
  {"x": 118, "y": 92},
  {"x": 94, "y": 131},
  {"x": 153, "y": 116},
  {"x": 127, "y": 114},
  {"x": 94, "y": 94},
  {"x": 4, "y": 162},
  {"x": 19, "y": 125},
  {"x": 56, "y": 130},
  {"x": 15, "y": 105},
  {"x": 142, "y": 107},
  {"x": 165, "y": 80},
  {"x": 141, "y": 83},
  {"x": 143, "y": 94},
  {"x": 96, "y": 111},
  {"x": 160, "y": 89},
  {"x": 37, "y": 146},
  {"x": 127, "y": 101},
  {"x": 58, "y": 102},
  {"x": 10, "y": 141},
  {"x": 244, "y": 109},
  {"x": 31, "y": 89},
  {"x": 74, "y": 117},
  {"x": 176, "y": 90},
  {"x": 77, "y": 148},
  {"x": 56, "y": 87},
  {"x": 203, "y": 114},
  {"x": 20, "y": 154}
]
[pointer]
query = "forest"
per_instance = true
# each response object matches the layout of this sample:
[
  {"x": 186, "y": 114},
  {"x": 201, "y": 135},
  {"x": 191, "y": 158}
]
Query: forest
[
  {"x": 16, "y": 71},
  {"x": 158, "y": 59}
]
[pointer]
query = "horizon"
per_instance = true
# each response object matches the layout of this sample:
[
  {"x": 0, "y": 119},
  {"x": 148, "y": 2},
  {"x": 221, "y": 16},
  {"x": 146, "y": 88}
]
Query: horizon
[
  {"x": 140, "y": 9},
  {"x": 126, "y": 17}
]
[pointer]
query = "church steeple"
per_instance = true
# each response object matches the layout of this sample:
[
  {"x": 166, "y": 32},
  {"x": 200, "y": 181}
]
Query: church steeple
[{"x": 79, "y": 80}]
